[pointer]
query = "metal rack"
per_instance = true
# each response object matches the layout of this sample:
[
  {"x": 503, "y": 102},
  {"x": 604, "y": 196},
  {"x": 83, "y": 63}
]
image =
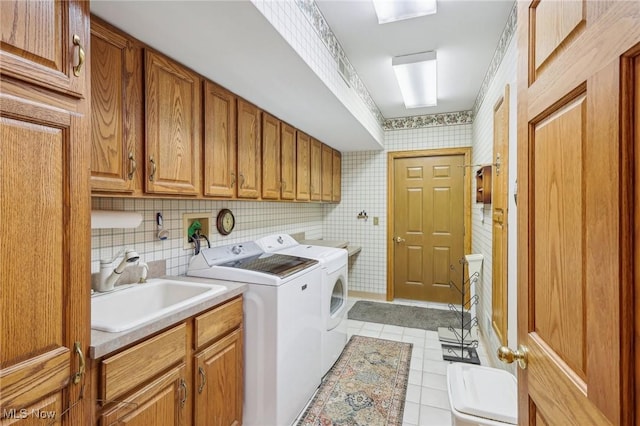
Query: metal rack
[{"x": 466, "y": 342}]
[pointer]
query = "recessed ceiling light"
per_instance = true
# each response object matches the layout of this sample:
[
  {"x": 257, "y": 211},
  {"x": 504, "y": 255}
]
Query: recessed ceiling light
[
  {"x": 397, "y": 10},
  {"x": 417, "y": 77}
]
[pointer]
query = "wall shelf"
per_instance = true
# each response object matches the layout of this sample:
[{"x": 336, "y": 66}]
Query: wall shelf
[{"x": 483, "y": 185}]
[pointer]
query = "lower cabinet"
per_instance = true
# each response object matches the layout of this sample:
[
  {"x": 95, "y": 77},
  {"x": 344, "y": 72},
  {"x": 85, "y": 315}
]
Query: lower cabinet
[
  {"x": 160, "y": 403},
  {"x": 189, "y": 374},
  {"x": 218, "y": 383}
]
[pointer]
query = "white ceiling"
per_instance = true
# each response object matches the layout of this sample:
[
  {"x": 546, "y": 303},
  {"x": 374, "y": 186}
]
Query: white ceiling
[
  {"x": 464, "y": 34},
  {"x": 233, "y": 44}
]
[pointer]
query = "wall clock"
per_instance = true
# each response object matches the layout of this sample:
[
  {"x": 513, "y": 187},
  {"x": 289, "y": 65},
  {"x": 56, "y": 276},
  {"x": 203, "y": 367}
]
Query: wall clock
[{"x": 225, "y": 222}]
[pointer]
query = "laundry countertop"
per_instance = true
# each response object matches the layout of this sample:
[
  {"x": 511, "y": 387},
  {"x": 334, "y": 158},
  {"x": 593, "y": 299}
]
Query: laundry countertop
[{"x": 334, "y": 243}]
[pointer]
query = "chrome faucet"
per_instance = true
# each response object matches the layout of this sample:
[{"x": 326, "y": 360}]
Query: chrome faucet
[{"x": 109, "y": 275}]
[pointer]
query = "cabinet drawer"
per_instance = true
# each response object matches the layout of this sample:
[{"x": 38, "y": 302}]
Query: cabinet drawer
[
  {"x": 218, "y": 321},
  {"x": 142, "y": 362}
]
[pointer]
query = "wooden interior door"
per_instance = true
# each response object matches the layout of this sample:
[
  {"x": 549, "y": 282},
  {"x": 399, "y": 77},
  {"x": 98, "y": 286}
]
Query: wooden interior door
[
  {"x": 500, "y": 199},
  {"x": 428, "y": 227},
  {"x": 576, "y": 76}
]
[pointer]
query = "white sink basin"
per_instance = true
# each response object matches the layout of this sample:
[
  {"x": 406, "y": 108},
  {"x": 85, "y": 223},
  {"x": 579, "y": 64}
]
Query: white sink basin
[{"x": 123, "y": 309}]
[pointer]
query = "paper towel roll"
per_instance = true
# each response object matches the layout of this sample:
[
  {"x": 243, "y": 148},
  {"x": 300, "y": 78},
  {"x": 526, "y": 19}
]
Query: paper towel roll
[{"x": 114, "y": 219}]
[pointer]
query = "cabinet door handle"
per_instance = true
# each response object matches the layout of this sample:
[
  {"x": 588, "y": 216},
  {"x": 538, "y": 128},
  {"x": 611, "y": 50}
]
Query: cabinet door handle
[
  {"x": 78, "y": 68},
  {"x": 203, "y": 382},
  {"x": 183, "y": 385},
  {"x": 82, "y": 364},
  {"x": 233, "y": 180},
  {"x": 153, "y": 169},
  {"x": 241, "y": 180},
  {"x": 133, "y": 166}
]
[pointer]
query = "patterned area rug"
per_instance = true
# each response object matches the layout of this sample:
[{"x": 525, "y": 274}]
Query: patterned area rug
[
  {"x": 366, "y": 386},
  {"x": 407, "y": 316}
]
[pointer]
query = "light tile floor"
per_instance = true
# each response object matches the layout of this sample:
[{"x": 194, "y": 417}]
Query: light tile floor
[{"x": 427, "y": 402}]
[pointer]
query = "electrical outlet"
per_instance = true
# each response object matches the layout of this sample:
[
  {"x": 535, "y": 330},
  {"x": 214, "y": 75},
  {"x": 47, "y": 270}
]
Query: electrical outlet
[
  {"x": 376, "y": 221},
  {"x": 187, "y": 221}
]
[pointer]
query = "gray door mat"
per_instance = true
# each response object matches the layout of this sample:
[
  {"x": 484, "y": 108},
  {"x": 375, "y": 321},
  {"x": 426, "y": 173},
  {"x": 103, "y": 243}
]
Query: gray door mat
[{"x": 405, "y": 316}]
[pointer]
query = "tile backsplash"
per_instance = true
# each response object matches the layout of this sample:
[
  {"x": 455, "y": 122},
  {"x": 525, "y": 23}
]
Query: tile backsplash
[{"x": 254, "y": 219}]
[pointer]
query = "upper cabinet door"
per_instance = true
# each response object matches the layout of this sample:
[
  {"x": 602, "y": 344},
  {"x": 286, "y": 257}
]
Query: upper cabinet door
[
  {"x": 219, "y": 141},
  {"x": 337, "y": 177},
  {"x": 315, "y": 171},
  {"x": 173, "y": 115},
  {"x": 288, "y": 164},
  {"x": 271, "y": 182},
  {"x": 303, "y": 143},
  {"x": 327, "y": 173},
  {"x": 249, "y": 153},
  {"x": 38, "y": 43},
  {"x": 116, "y": 110}
]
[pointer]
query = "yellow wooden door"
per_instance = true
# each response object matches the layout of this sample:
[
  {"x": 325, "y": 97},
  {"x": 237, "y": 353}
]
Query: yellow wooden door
[
  {"x": 249, "y": 150},
  {"x": 116, "y": 110},
  {"x": 219, "y": 141},
  {"x": 219, "y": 383},
  {"x": 288, "y": 166},
  {"x": 428, "y": 227},
  {"x": 303, "y": 165},
  {"x": 315, "y": 170},
  {"x": 577, "y": 74},
  {"x": 500, "y": 200},
  {"x": 173, "y": 122},
  {"x": 271, "y": 180}
]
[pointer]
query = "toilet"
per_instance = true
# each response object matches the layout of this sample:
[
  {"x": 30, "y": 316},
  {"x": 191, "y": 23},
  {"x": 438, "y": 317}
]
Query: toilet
[{"x": 481, "y": 396}]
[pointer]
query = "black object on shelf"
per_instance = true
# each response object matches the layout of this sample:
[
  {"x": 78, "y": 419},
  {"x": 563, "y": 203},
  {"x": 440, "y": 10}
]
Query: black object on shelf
[{"x": 465, "y": 348}]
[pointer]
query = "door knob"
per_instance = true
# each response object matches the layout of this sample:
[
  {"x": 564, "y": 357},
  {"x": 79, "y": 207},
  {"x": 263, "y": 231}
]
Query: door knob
[
  {"x": 399, "y": 240},
  {"x": 508, "y": 355}
]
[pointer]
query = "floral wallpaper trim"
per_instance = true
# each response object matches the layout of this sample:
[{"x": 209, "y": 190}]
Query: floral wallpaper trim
[
  {"x": 315, "y": 17},
  {"x": 431, "y": 120},
  {"x": 505, "y": 38}
]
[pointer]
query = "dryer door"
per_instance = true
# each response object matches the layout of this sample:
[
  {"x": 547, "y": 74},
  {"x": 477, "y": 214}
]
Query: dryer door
[{"x": 338, "y": 301}]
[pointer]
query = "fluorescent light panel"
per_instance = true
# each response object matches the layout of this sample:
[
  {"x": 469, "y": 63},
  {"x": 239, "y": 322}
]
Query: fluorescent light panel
[
  {"x": 397, "y": 10},
  {"x": 417, "y": 77}
]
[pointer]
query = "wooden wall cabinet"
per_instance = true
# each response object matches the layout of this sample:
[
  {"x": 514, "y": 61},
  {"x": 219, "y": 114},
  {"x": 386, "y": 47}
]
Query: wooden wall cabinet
[
  {"x": 288, "y": 162},
  {"x": 336, "y": 194},
  {"x": 116, "y": 111},
  {"x": 220, "y": 144},
  {"x": 483, "y": 185},
  {"x": 249, "y": 150},
  {"x": 44, "y": 175},
  {"x": 303, "y": 166},
  {"x": 173, "y": 121},
  {"x": 315, "y": 170},
  {"x": 327, "y": 173},
  {"x": 271, "y": 180}
]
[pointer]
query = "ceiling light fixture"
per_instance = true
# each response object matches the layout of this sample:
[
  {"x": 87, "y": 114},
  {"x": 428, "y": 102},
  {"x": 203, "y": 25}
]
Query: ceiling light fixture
[
  {"x": 417, "y": 77},
  {"x": 394, "y": 10}
]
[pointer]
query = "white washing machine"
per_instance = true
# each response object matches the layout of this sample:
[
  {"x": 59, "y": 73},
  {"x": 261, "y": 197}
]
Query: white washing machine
[
  {"x": 282, "y": 327},
  {"x": 334, "y": 265}
]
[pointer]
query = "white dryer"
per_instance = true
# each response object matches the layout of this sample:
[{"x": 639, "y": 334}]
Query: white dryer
[{"x": 334, "y": 265}]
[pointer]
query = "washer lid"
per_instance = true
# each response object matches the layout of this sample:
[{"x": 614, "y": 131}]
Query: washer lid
[
  {"x": 275, "y": 264},
  {"x": 484, "y": 392}
]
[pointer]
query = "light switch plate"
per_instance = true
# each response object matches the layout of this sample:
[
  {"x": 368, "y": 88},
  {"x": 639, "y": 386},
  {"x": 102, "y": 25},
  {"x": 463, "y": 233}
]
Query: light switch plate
[{"x": 376, "y": 221}]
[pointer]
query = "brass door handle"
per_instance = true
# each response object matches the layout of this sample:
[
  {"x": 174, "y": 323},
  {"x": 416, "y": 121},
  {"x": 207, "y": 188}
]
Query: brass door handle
[
  {"x": 241, "y": 180},
  {"x": 508, "y": 355},
  {"x": 82, "y": 364},
  {"x": 153, "y": 169},
  {"x": 183, "y": 385},
  {"x": 399, "y": 240},
  {"x": 203, "y": 382},
  {"x": 133, "y": 165},
  {"x": 233, "y": 180},
  {"x": 78, "y": 68}
]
